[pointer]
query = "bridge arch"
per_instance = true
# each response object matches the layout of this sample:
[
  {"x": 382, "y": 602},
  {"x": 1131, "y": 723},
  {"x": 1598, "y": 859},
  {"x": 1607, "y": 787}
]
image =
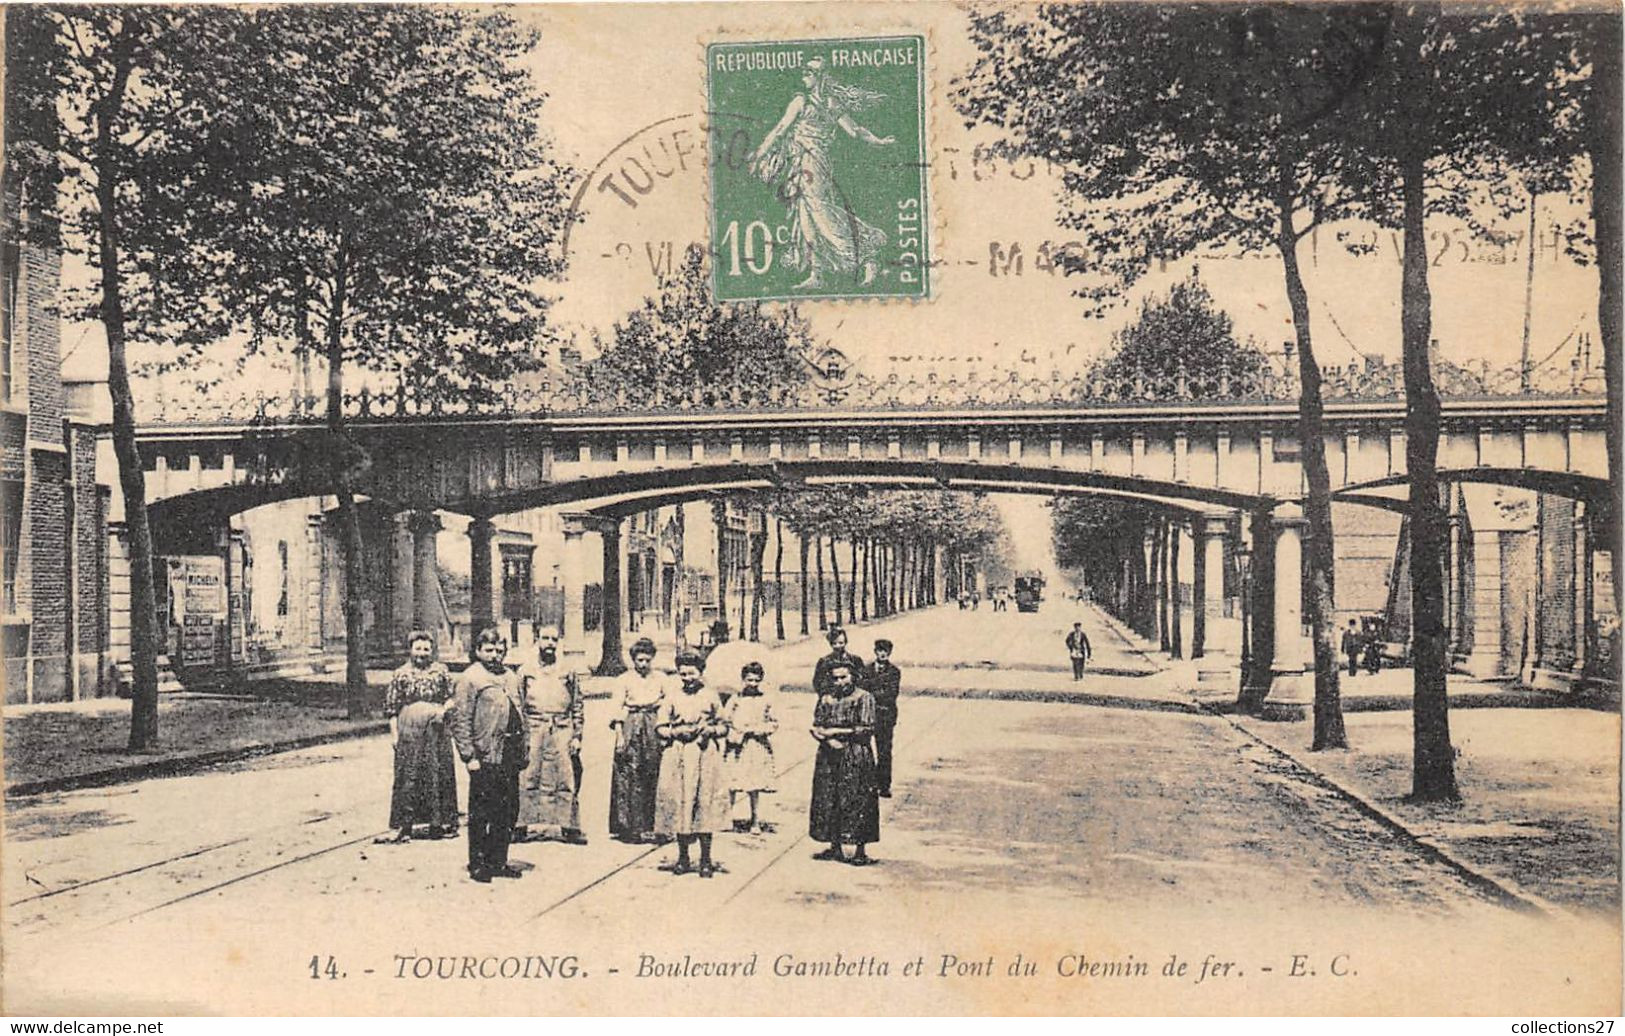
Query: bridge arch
[{"x": 634, "y": 490}]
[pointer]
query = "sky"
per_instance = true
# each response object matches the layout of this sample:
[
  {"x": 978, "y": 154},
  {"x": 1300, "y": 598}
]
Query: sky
[
  {"x": 610, "y": 71},
  {"x": 626, "y": 83}
]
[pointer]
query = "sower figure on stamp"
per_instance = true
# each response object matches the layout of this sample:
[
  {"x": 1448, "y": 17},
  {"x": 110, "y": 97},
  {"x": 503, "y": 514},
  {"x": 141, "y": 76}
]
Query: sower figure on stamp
[
  {"x": 827, "y": 239},
  {"x": 885, "y": 682},
  {"x": 425, "y": 789},
  {"x": 637, "y": 695},
  {"x": 692, "y": 803},
  {"x": 489, "y": 730},
  {"x": 836, "y": 636},
  {"x": 845, "y": 808},
  {"x": 551, "y": 700},
  {"x": 1077, "y": 649}
]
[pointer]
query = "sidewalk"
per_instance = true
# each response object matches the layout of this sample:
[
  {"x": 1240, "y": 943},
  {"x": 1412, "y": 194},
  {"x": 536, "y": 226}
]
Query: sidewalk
[
  {"x": 1540, "y": 793},
  {"x": 1539, "y": 776},
  {"x": 84, "y": 744},
  {"x": 65, "y": 745}
]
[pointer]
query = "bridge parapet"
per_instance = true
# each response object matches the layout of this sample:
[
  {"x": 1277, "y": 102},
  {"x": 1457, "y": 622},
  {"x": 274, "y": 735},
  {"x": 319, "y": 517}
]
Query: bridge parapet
[{"x": 1373, "y": 381}]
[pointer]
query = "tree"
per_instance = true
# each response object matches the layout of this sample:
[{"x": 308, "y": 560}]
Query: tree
[
  {"x": 108, "y": 133},
  {"x": 1188, "y": 126},
  {"x": 1183, "y": 332},
  {"x": 1454, "y": 90},
  {"x": 681, "y": 344},
  {"x": 402, "y": 208},
  {"x": 778, "y": 577},
  {"x": 1601, "y": 119}
]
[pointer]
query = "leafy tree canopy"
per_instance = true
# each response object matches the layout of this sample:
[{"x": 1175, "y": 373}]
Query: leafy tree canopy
[
  {"x": 1183, "y": 331},
  {"x": 681, "y": 341}
]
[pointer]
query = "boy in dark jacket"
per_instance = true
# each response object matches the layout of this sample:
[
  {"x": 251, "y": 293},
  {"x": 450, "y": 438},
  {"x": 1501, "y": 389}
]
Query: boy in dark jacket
[
  {"x": 489, "y": 731},
  {"x": 884, "y": 681}
]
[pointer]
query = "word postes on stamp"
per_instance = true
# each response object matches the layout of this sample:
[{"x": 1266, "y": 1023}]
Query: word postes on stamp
[{"x": 827, "y": 196}]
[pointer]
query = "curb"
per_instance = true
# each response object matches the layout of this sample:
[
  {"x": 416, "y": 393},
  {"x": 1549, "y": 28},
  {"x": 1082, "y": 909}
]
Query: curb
[
  {"x": 178, "y": 765},
  {"x": 1509, "y": 894}
]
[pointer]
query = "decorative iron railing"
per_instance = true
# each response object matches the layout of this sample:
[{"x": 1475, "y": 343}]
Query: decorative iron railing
[{"x": 577, "y": 394}]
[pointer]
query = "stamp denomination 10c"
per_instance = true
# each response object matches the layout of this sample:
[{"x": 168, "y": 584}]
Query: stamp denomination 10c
[{"x": 818, "y": 171}]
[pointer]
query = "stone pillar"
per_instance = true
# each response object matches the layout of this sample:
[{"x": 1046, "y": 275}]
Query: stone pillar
[
  {"x": 1485, "y": 659},
  {"x": 481, "y": 598},
  {"x": 572, "y": 569},
  {"x": 1585, "y": 648},
  {"x": 1148, "y": 584},
  {"x": 1199, "y": 589},
  {"x": 1176, "y": 533},
  {"x": 1260, "y": 607},
  {"x": 426, "y": 611},
  {"x": 1555, "y": 652},
  {"x": 1291, "y": 689},
  {"x": 610, "y": 662},
  {"x": 1212, "y": 642},
  {"x": 315, "y": 574}
]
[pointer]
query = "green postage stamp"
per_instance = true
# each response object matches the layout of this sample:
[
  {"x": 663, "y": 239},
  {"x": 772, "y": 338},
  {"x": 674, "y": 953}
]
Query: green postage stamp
[{"x": 818, "y": 170}]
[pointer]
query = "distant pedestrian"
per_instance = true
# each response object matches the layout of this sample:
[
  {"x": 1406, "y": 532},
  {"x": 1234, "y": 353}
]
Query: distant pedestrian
[
  {"x": 845, "y": 807},
  {"x": 637, "y": 695},
  {"x": 884, "y": 682},
  {"x": 1352, "y": 645},
  {"x": 549, "y": 805},
  {"x": 1373, "y": 654},
  {"x": 489, "y": 730},
  {"x": 425, "y": 789},
  {"x": 1078, "y": 649},
  {"x": 692, "y": 800},
  {"x": 748, "y": 759},
  {"x": 836, "y": 636}
]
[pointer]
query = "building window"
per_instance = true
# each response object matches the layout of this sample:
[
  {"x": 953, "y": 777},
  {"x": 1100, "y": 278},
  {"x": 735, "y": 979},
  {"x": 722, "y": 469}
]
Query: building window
[{"x": 11, "y": 534}]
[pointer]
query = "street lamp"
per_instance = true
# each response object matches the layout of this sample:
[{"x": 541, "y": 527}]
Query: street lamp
[{"x": 1244, "y": 574}]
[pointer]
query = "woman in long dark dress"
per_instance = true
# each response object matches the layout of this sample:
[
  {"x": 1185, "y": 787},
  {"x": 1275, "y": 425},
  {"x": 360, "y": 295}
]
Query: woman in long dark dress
[
  {"x": 425, "y": 790},
  {"x": 638, "y": 694},
  {"x": 845, "y": 800}
]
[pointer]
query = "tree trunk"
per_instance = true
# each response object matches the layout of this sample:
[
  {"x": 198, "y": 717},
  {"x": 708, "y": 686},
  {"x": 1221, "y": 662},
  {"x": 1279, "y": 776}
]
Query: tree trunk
[
  {"x": 835, "y": 577},
  {"x": 679, "y": 616},
  {"x": 879, "y": 550},
  {"x": 852, "y": 581},
  {"x": 915, "y": 563},
  {"x": 1320, "y": 552},
  {"x": 818, "y": 558},
  {"x": 883, "y": 602},
  {"x": 778, "y": 576},
  {"x": 351, "y": 545},
  {"x": 132, "y": 480},
  {"x": 758, "y": 552},
  {"x": 1433, "y": 776},
  {"x": 863, "y": 591},
  {"x": 719, "y": 520},
  {"x": 894, "y": 579},
  {"x": 902, "y": 576},
  {"x": 1603, "y": 122},
  {"x": 806, "y": 587},
  {"x": 1524, "y": 369}
]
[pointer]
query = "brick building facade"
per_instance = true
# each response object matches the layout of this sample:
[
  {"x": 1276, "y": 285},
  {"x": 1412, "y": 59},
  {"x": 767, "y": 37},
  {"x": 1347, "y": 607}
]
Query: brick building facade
[{"x": 52, "y": 510}]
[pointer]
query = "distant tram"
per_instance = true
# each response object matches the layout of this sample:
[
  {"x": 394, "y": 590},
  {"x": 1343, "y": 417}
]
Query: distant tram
[{"x": 1029, "y": 591}]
